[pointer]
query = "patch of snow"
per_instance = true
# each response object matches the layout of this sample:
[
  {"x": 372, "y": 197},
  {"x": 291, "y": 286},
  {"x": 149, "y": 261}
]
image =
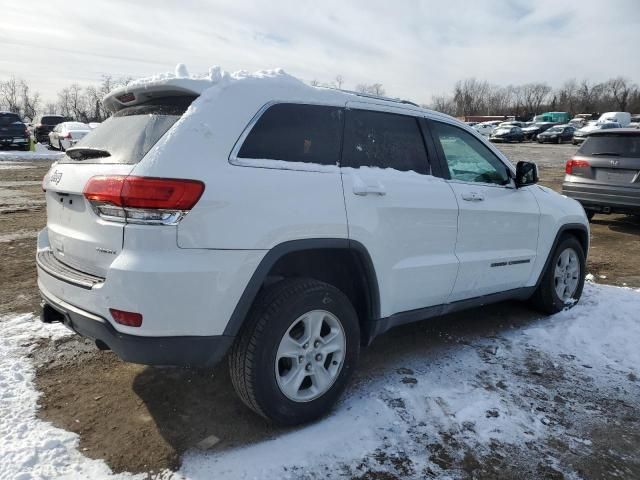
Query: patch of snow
[
  {"x": 32, "y": 448},
  {"x": 476, "y": 393}
]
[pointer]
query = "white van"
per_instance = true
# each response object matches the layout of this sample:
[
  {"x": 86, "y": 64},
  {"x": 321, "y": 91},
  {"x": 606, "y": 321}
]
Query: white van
[{"x": 623, "y": 118}]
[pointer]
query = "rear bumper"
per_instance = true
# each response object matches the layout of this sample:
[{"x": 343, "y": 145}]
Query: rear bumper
[
  {"x": 179, "y": 292},
  {"x": 187, "y": 351},
  {"x": 604, "y": 197}
]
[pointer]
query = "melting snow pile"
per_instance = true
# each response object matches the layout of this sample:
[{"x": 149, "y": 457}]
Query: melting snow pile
[{"x": 477, "y": 393}]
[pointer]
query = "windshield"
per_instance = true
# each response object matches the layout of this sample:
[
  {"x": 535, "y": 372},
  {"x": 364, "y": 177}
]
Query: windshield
[
  {"x": 614, "y": 145},
  {"x": 555, "y": 130},
  {"x": 9, "y": 118},
  {"x": 129, "y": 134}
]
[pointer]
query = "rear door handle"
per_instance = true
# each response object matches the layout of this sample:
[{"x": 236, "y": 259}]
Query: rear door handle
[
  {"x": 473, "y": 196},
  {"x": 362, "y": 189}
]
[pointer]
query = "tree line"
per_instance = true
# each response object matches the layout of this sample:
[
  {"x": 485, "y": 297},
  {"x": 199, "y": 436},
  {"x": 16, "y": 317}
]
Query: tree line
[
  {"x": 477, "y": 97},
  {"x": 83, "y": 104},
  {"x": 469, "y": 97}
]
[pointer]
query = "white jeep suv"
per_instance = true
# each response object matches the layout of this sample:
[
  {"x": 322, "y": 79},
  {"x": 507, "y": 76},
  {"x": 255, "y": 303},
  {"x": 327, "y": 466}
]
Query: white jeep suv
[{"x": 287, "y": 226}]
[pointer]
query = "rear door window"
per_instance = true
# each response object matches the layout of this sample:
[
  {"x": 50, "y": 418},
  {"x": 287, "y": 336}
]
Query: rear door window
[
  {"x": 384, "y": 140},
  {"x": 296, "y": 133},
  {"x": 612, "y": 145},
  {"x": 130, "y": 133}
]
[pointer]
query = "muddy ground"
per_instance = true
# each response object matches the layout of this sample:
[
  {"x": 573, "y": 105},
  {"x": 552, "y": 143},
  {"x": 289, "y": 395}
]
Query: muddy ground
[{"x": 163, "y": 412}]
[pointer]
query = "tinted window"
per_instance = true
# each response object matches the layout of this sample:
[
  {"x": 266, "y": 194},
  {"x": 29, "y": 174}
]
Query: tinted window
[
  {"x": 51, "y": 120},
  {"x": 467, "y": 158},
  {"x": 614, "y": 145},
  {"x": 296, "y": 133},
  {"x": 131, "y": 132},
  {"x": 9, "y": 118},
  {"x": 385, "y": 140}
]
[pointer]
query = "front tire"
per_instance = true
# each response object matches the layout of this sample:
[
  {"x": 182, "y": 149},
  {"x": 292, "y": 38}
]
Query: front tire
[
  {"x": 296, "y": 351},
  {"x": 563, "y": 280}
]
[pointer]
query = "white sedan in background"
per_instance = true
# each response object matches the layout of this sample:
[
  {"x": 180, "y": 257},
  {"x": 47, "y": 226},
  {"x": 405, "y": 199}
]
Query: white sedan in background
[
  {"x": 67, "y": 134},
  {"x": 486, "y": 128}
]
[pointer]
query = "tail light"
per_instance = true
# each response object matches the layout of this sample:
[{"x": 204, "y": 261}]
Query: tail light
[
  {"x": 144, "y": 200},
  {"x": 574, "y": 163},
  {"x": 129, "y": 319}
]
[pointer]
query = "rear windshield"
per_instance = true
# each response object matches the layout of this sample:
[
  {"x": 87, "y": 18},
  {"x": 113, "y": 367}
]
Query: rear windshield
[
  {"x": 52, "y": 120},
  {"x": 9, "y": 118},
  {"x": 614, "y": 145},
  {"x": 131, "y": 132}
]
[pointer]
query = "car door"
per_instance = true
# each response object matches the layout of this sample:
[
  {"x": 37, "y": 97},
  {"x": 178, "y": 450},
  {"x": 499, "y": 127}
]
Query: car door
[
  {"x": 498, "y": 223},
  {"x": 396, "y": 208}
]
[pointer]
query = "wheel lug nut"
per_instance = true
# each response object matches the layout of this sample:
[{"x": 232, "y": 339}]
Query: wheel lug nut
[
  {"x": 318, "y": 357},
  {"x": 300, "y": 359},
  {"x": 308, "y": 367},
  {"x": 316, "y": 344},
  {"x": 335, "y": 362},
  {"x": 305, "y": 346}
]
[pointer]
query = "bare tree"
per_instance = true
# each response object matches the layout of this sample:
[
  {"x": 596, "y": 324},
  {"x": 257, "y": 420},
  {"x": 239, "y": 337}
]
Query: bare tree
[
  {"x": 372, "y": 89},
  {"x": 470, "y": 97},
  {"x": 339, "y": 80},
  {"x": 620, "y": 89},
  {"x": 567, "y": 96},
  {"x": 30, "y": 102},
  {"x": 534, "y": 95},
  {"x": 10, "y": 95},
  {"x": 443, "y": 104},
  {"x": 314, "y": 83}
]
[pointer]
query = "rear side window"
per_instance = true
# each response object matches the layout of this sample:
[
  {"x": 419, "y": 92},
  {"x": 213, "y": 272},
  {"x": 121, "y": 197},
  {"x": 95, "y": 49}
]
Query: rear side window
[
  {"x": 384, "y": 140},
  {"x": 612, "y": 145},
  {"x": 9, "y": 118},
  {"x": 296, "y": 133},
  {"x": 51, "y": 120},
  {"x": 131, "y": 132}
]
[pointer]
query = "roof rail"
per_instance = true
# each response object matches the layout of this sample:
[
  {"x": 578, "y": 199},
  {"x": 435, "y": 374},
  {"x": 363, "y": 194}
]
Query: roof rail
[{"x": 369, "y": 95}]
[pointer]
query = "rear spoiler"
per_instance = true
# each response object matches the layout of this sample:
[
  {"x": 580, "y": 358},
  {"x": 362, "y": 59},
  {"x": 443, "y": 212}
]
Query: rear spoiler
[{"x": 127, "y": 96}]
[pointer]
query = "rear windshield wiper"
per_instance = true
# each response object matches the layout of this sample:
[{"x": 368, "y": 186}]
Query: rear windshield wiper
[
  {"x": 85, "y": 153},
  {"x": 608, "y": 154}
]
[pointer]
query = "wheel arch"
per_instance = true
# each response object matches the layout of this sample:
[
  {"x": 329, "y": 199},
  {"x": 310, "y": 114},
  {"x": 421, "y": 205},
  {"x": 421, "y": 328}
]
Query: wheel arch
[
  {"x": 324, "y": 259},
  {"x": 578, "y": 230}
]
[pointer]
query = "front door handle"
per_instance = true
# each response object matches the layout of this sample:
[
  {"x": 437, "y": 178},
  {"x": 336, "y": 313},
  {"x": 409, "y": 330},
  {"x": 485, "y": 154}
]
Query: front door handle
[
  {"x": 473, "y": 196},
  {"x": 362, "y": 189}
]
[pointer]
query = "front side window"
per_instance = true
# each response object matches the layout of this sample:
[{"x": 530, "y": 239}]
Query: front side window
[
  {"x": 467, "y": 158},
  {"x": 296, "y": 133},
  {"x": 384, "y": 140}
]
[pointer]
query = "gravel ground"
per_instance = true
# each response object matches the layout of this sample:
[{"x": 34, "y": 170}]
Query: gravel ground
[{"x": 164, "y": 412}]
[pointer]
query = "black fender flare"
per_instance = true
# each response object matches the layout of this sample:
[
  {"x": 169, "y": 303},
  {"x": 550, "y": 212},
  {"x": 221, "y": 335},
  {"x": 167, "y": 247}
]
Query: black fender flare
[
  {"x": 567, "y": 227},
  {"x": 276, "y": 253}
]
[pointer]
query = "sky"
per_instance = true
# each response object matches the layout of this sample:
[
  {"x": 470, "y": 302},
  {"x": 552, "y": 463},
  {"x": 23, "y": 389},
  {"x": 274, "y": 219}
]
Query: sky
[{"x": 414, "y": 48}]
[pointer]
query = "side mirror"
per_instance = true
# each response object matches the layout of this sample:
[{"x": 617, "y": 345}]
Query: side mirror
[{"x": 526, "y": 174}]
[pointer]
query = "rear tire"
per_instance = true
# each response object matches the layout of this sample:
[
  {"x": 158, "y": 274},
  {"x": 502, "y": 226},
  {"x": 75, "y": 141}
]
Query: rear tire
[
  {"x": 278, "y": 344},
  {"x": 565, "y": 273},
  {"x": 60, "y": 147}
]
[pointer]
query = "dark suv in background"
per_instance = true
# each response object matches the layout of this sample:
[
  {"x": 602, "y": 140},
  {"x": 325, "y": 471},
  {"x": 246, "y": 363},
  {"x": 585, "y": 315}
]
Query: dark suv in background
[
  {"x": 13, "y": 132},
  {"x": 604, "y": 174},
  {"x": 45, "y": 125}
]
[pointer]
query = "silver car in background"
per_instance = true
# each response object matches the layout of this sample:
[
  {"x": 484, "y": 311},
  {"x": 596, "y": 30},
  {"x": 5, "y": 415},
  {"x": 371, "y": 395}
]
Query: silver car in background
[{"x": 604, "y": 174}]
